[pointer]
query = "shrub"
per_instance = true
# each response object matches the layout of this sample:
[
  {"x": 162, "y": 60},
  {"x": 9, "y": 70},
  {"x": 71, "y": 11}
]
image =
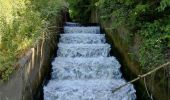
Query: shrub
[{"x": 22, "y": 22}]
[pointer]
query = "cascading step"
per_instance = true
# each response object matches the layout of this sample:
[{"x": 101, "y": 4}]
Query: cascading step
[
  {"x": 83, "y": 68},
  {"x": 88, "y": 90},
  {"x": 83, "y": 50},
  {"x": 90, "y": 30},
  {"x": 82, "y": 38},
  {"x": 86, "y": 68},
  {"x": 72, "y": 24}
]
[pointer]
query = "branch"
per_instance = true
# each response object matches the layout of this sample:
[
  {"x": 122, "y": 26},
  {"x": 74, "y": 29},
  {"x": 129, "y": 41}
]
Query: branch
[{"x": 142, "y": 76}]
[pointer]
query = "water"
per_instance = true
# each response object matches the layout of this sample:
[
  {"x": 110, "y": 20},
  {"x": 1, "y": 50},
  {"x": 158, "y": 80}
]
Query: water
[
  {"x": 71, "y": 24},
  {"x": 81, "y": 30},
  {"x": 84, "y": 69},
  {"x": 82, "y": 38}
]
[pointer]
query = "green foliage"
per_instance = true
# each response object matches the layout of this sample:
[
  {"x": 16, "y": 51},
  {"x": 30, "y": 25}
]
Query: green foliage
[
  {"x": 49, "y": 8},
  {"x": 150, "y": 19},
  {"x": 21, "y": 23},
  {"x": 163, "y": 5},
  {"x": 151, "y": 51},
  {"x": 79, "y": 9}
]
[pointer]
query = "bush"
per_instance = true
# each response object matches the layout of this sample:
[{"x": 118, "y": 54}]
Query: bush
[
  {"x": 149, "y": 19},
  {"x": 80, "y": 10},
  {"x": 22, "y": 22}
]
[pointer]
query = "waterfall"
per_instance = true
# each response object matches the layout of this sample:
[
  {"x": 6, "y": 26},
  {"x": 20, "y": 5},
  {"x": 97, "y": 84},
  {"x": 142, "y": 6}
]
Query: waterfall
[{"x": 84, "y": 69}]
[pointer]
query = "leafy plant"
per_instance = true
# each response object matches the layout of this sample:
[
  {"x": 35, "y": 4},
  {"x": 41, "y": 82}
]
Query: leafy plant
[
  {"x": 22, "y": 22},
  {"x": 80, "y": 10},
  {"x": 149, "y": 19}
]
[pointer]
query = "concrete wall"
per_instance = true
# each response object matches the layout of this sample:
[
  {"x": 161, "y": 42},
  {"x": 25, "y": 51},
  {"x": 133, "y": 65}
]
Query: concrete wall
[
  {"x": 130, "y": 67},
  {"x": 33, "y": 67}
]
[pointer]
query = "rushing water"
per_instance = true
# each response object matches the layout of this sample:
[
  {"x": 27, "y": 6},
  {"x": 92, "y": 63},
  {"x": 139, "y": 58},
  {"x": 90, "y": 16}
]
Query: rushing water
[{"x": 83, "y": 68}]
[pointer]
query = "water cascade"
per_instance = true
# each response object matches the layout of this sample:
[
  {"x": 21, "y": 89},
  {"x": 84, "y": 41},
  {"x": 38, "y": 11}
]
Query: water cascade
[{"x": 83, "y": 68}]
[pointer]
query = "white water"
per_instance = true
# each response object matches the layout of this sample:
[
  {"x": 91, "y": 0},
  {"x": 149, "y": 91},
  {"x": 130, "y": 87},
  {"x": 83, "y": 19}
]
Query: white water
[
  {"x": 72, "y": 24},
  {"x": 78, "y": 30},
  {"x": 82, "y": 38},
  {"x": 84, "y": 70}
]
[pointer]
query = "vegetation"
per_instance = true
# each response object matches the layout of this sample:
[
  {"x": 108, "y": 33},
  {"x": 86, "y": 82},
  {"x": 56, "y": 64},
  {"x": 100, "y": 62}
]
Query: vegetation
[
  {"x": 148, "y": 18},
  {"x": 22, "y": 23},
  {"x": 79, "y": 9},
  {"x": 145, "y": 27}
]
